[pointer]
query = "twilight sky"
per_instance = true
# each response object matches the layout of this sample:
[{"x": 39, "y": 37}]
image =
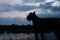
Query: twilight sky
[{"x": 15, "y": 11}]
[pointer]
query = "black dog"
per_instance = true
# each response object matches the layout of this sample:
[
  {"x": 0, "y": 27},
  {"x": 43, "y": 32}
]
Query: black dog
[{"x": 44, "y": 25}]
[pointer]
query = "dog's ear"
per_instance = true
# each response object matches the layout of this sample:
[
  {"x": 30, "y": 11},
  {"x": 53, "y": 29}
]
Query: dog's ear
[
  {"x": 30, "y": 13},
  {"x": 34, "y": 12}
]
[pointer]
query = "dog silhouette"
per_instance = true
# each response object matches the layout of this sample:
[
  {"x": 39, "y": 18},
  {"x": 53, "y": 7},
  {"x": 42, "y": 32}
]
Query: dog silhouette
[{"x": 44, "y": 25}]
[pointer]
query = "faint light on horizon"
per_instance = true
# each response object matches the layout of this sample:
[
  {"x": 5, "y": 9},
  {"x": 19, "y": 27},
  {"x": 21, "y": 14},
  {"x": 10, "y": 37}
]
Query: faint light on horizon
[{"x": 13, "y": 14}]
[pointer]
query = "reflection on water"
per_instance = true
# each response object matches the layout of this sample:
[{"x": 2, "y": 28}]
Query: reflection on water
[
  {"x": 21, "y": 36},
  {"x": 24, "y": 36}
]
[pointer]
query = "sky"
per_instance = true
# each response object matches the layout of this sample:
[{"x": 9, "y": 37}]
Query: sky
[{"x": 16, "y": 11}]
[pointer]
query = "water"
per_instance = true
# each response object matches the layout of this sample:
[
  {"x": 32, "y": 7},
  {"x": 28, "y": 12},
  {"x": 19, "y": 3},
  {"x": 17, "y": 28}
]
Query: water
[
  {"x": 24, "y": 36},
  {"x": 20, "y": 36}
]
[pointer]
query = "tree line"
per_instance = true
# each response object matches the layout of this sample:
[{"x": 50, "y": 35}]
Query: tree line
[{"x": 16, "y": 28}]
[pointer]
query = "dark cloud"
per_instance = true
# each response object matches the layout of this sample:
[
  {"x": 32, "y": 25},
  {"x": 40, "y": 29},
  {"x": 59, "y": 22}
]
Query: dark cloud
[
  {"x": 5, "y": 7},
  {"x": 33, "y": 1},
  {"x": 49, "y": 6},
  {"x": 55, "y": 9},
  {"x": 46, "y": 6},
  {"x": 24, "y": 7}
]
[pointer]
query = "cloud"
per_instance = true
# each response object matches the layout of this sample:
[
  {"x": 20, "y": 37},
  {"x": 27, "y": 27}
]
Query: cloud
[
  {"x": 33, "y": 4},
  {"x": 24, "y": 7},
  {"x": 38, "y": 1},
  {"x": 12, "y": 2},
  {"x": 55, "y": 9},
  {"x": 4, "y": 7},
  {"x": 15, "y": 11},
  {"x": 47, "y": 10},
  {"x": 49, "y": 6},
  {"x": 49, "y": 1},
  {"x": 47, "y": 14},
  {"x": 46, "y": 6},
  {"x": 56, "y": 3},
  {"x": 32, "y": 1}
]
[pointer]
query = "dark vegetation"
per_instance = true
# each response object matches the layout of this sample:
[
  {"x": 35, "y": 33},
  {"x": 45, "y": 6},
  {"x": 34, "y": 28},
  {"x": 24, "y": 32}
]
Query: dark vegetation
[{"x": 16, "y": 29}]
